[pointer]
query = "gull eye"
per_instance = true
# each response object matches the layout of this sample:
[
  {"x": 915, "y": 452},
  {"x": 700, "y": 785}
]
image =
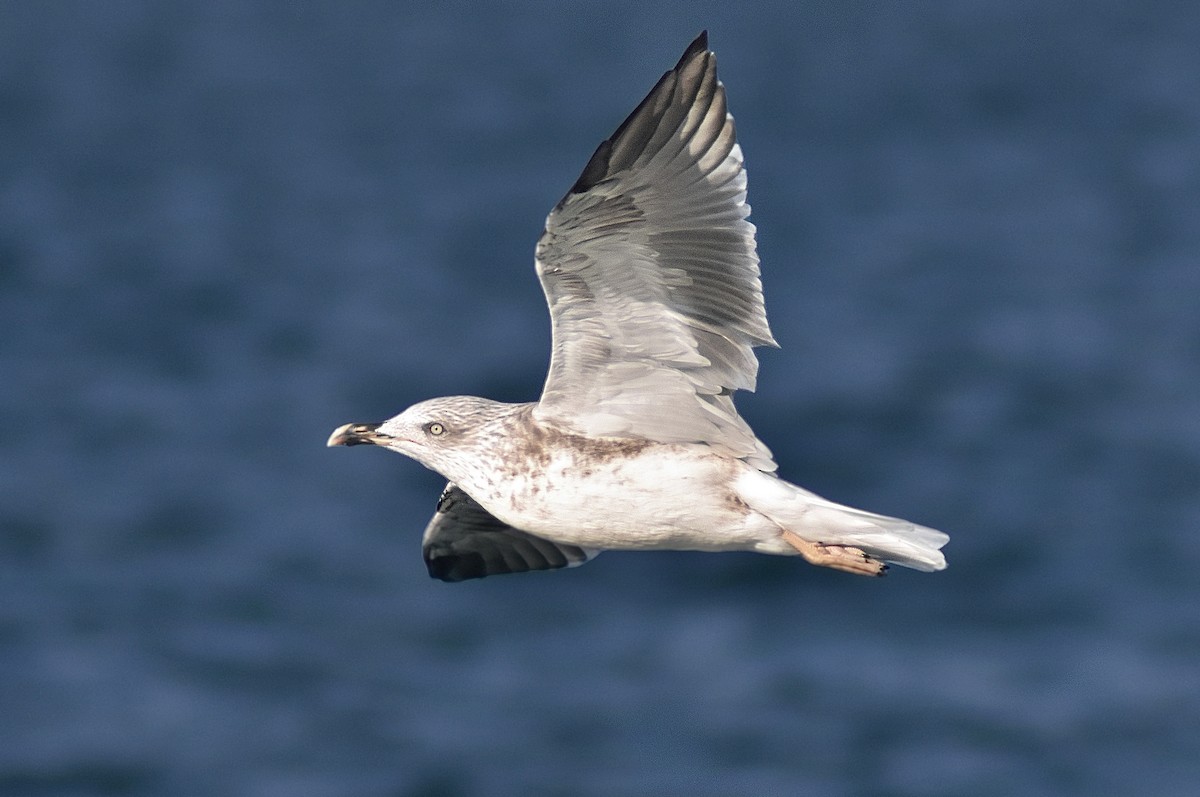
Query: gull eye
[{"x": 435, "y": 429}]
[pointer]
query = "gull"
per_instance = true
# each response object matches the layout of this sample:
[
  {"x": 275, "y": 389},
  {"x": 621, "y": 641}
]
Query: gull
[{"x": 651, "y": 275}]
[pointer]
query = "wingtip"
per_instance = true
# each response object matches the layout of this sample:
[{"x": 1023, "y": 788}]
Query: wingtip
[
  {"x": 699, "y": 46},
  {"x": 597, "y": 166}
]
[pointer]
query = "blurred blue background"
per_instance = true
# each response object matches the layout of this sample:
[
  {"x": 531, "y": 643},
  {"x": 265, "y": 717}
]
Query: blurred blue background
[{"x": 227, "y": 227}]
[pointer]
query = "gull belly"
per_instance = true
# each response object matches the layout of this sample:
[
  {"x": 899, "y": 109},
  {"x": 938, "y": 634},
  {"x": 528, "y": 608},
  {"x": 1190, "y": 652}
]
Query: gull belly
[{"x": 656, "y": 496}]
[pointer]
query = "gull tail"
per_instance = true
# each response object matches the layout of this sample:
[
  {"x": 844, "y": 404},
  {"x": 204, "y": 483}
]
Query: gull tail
[{"x": 818, "y": 520}]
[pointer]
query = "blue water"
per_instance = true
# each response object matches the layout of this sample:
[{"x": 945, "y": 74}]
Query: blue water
[{"x": 227, "y": 227}]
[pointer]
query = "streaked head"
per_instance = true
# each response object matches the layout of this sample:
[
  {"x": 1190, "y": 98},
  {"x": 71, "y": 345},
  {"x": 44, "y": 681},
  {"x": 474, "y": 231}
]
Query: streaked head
[{"x": 436, "y": 432}]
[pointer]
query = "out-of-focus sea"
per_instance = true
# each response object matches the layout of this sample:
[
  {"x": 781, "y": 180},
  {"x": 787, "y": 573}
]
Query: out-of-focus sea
[{"x": 228, "y": 227}]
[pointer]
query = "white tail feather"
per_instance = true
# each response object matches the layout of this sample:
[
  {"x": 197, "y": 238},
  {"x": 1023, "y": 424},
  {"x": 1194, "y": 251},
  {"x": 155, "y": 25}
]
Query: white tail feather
[{"x": 817, "y": 519}]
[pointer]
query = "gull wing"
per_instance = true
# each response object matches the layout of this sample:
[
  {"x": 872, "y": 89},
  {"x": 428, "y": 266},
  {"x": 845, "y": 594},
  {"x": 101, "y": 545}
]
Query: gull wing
[
  {"x": 464, "y": 541},
  {"x": 650, "y": 271}
]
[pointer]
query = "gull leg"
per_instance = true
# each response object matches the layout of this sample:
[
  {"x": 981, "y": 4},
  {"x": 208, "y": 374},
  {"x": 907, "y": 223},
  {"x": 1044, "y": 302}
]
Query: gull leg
[{"x": 839, "y": 557}]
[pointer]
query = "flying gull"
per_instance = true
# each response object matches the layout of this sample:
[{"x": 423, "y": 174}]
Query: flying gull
[{"x": 650, "y": 271}]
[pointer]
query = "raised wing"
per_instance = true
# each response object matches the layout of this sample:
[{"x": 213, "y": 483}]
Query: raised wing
[
  {"x": 463, "y": 541},
  {"x": 649, "y": 267}
]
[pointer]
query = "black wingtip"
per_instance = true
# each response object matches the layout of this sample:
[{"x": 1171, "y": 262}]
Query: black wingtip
[
  {"x": 698, "y": 45},
  {"x": 597, "y": 166},
  {"x": 452, "y": 569}
]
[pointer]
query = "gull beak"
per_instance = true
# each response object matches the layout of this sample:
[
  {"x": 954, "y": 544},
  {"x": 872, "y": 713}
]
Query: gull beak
[{"x": 356, "y": 434}]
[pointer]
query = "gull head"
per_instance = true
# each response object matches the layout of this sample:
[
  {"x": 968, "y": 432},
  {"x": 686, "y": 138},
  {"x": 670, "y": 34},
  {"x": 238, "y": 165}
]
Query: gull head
[{"x": 443, "y": 434}]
